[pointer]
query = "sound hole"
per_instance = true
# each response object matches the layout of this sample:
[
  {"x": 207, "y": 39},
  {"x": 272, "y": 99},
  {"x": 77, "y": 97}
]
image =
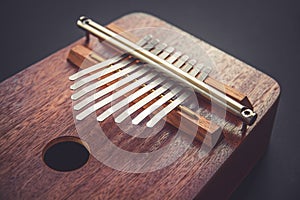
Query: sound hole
[{"x": 66, "y": 154}]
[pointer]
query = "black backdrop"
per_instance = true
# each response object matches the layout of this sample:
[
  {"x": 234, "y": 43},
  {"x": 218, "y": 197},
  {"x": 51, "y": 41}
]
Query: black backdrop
[{"x": 265, "y": 34}]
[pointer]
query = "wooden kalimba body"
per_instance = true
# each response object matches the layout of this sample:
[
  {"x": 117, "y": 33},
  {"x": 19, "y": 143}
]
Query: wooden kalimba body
[{"x": 139, "y": 109}]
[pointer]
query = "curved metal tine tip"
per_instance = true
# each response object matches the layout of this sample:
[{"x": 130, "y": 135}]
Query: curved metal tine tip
[
  {"x": 204, "y": 73},
  {"x": 141, "y": 116},
  {"x": 151, "y": 44},
  {"x": 129, "y": 99},
  {"x": 166, "y": 52},
  {"x": 114, "y": 96},
  {"x": 108, "y": 62},
  {"x": 162, "y": 113},
  {"x": 173, "y": 57},
  {"x": 104, "y": 72},
  {"x": 110, "y": 88},
  {"x": 96, "y": 67},
  {"x": 196, "y": 69},
  {"x": 159, "y": 48},
  {"x": 112, "y": 68},
  {"x": 144, "y": 101},
  {"x": 102, "y": 82},
  {"x": 181, "y": 61}
]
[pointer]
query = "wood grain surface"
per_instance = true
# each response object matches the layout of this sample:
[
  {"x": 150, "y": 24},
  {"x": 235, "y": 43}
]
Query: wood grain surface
[{"x": 36, "y": 108}]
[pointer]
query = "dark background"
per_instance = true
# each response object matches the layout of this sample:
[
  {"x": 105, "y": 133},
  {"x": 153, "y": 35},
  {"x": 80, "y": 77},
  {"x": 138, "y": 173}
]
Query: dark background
[{"x": 264, "y": 34}]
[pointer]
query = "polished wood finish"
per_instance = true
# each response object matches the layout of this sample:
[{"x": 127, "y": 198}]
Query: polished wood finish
[{"x": 36, "y": 108}]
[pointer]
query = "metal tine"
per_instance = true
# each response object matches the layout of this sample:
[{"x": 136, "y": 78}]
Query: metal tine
[
  {"x": 97, "y": 67},
  {"x": 110, "y": 88},
  {"x": 162, "y": 113},
  {"x": 108, "y": 62},
  {"x": 112, "y": 68},
  {"x": 181, "y": 61},
  {"x": 173, "y": 57},
  {"x": 128, "y": 99},
  {"x": 156, "y": 105},
  {"x": 115, "y": 96},
  {"x": 196, "y": 69},
  {"x": 102, "y": 82},
  {"x": 151, "y": 44},
  {"x": 204, "y": 73},
  {"x": 189, "y": 65},
  {"x": 166, "y": 52},
  {"x": 104, "y": 72},
  {"x": 143, "y": 102},
  {"x": 159, "y": 48}
]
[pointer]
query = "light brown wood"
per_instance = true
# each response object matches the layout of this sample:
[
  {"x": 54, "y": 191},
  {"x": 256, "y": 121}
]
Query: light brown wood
[
  {"x": 229, "y": 91},
  {"x": 36, "y": 109},
  {"x": 81, "y": 56}
]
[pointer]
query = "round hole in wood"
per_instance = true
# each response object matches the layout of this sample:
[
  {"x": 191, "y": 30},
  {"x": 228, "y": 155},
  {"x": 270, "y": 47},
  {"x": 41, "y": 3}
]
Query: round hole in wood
[{"x": 66, "y": 153}]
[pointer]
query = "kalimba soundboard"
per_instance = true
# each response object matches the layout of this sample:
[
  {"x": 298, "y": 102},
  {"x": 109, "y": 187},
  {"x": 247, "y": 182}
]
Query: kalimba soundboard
[{"x": 138, "y": 109}]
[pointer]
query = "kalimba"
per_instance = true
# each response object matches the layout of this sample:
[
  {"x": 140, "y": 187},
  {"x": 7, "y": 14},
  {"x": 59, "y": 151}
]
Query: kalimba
[{"x": 152, "y": 113}]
